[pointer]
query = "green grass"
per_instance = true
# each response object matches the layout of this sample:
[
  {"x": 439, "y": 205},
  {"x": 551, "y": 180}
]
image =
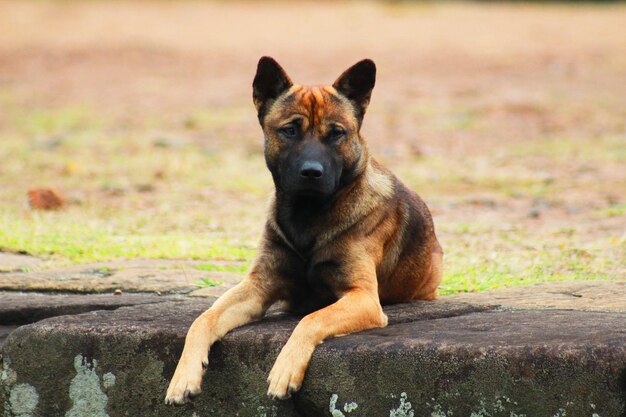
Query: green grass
[
  {"x": 484, "y": 258},
  {"x": 608, "y": 148},
  {"x": 91, "y": 241},
  {"x": 614, "y": 210},
  {"x": 128, "y": 197},
  {"x": 208, "y": 282},
  {"x": 134, "y": 194},
  {"x": 234, "y": 268},
  {"x": 479, "y": 274}
]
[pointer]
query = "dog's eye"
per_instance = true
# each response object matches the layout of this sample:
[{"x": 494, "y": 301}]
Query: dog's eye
[
  {"x": 289, "y": 131},
  {"x": 336, "y": 133}
]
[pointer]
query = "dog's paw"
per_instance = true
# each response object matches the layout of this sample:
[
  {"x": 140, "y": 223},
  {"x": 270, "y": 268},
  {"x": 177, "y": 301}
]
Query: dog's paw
[
  {"x": 288, "y": 371},
  {"x": 186, "y": 381}
]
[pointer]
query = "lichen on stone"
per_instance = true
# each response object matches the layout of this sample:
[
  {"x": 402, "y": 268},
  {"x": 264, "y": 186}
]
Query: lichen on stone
[
  {"x": 8, "y": 377},
  {"x": 499, "y": 407},
  {"x": 86, "y": 394},
  {"x": 350, "y": 407},
  {"x": 267, "y": 411},
  {"x": 593, "y": 408},
  {"x": 108, "y": 380},
  {"x": 23, "y": 400},
  {"x": 404, "y": 409},
  {"x": 347, "y": 407},
  {"x": 438, "y": 412}
]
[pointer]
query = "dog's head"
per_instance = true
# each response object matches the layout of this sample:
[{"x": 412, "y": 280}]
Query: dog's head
[{"x": 312, "y": 140}]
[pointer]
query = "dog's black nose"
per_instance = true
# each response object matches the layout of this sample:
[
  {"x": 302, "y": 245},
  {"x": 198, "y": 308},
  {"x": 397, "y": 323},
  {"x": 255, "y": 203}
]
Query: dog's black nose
[{"x": 312, "y": 170}]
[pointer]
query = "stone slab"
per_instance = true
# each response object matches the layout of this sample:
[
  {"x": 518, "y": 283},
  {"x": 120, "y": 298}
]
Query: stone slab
[
  {"x": 157, "y": 276},
  {"x": 213, "y": 291},
  {"x": 18, "y": 308},
  {"x": 10, "y": 262},
  {"x": 4, "y": 333},
  {"x": 576, "y": 295},
  {"x": 496, "y": 363},
  {"x": 434, "y": 359}
]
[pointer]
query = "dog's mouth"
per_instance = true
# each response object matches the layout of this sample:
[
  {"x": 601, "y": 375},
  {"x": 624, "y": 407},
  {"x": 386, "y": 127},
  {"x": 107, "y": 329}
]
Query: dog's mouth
[
  {"x": 319, "y": 192},
  {"x": 311, "y": 192}
]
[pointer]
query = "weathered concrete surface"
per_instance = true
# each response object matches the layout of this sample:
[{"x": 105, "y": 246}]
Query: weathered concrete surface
[
  {"x": 577, "y": 295},
  {"x": 18, "y": 308},
  {"x": 24, "y": 308},
  {"x": 214, "y": 291},
  {"x": 531, "y": 363},
  {"x": 4, "y": 333},
  {"x": 434, "y": 359},
  {"x": 10, "y": 262},
  {"x": 139, "y": 275}
]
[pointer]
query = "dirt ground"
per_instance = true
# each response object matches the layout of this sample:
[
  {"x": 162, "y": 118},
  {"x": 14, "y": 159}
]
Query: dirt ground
[{"x": 508, "y": 119}]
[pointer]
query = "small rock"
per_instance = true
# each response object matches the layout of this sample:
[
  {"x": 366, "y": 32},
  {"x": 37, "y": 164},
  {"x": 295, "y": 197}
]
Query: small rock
[
  {"x": 45, "y": 199},
  {"x": 481, "y": 201},
  {"x": 144, "y": 188},
  {"x": 191, "y": 123},
  {"x": 51, "y": 143},
  {"x": 169, "y": 142},
  {"x": 416, "y": 150},
  {"x": 113, "y": 190},
  {"x": 612, "y": 200},
  {"x": 541, "y": 202},
  {"x": 117, "y": 292},
  {"x": 534, "y": 213}
]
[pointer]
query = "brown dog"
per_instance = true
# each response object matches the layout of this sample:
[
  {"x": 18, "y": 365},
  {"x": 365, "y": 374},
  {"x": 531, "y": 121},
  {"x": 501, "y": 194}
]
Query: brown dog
[{"x": 343, "y": 234}]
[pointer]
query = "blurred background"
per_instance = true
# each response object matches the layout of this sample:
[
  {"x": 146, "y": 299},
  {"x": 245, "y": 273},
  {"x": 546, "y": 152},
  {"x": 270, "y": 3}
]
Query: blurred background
[{"x": 509, "y": 119}]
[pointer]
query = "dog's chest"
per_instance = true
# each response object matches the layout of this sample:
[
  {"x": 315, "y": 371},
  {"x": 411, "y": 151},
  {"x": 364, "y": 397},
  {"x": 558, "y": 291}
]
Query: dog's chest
[
  {"x": 303, "y": 222},
  {"x": 316, "y": 284},
  {"x": 323, "y": 275}
]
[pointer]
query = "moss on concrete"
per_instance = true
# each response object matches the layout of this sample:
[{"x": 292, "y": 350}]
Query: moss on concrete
[
  {"x": 85, "y": 391},
  {"x": 23, "y": 400},
  {"x": 487, "y": 364}
]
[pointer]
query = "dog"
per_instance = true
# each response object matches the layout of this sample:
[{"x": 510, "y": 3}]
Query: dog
[{"x": 343, "y": 234}]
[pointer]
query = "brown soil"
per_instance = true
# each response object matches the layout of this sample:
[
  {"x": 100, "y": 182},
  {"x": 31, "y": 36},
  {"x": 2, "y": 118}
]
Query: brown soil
[{"x": 511, "y": 90}]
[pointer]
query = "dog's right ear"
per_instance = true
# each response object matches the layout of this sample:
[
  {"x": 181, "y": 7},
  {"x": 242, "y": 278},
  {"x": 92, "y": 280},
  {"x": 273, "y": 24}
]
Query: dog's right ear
[
  {"x": 356, "y": 83},
  {"x": 269, "y": 83}
]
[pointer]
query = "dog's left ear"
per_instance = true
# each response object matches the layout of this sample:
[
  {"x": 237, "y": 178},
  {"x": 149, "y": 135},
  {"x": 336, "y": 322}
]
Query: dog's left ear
[
  {"x": 357, "y": 83},
  {"x": 269, "y": 83}
]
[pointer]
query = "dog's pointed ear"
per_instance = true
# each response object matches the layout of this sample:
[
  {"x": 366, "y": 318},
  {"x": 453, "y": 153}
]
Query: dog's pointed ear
[
  {"x": 269, "y": 83},
  {"x": 357, "y": 83}
]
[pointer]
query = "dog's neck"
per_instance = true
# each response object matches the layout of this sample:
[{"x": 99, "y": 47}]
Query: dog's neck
[{"x": 307, "y": 223}]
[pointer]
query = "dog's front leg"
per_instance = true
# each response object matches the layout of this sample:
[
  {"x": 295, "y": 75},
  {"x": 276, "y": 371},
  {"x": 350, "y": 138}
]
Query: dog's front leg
[
  {"x": 243, "y": 303},
  {"x": 358, "y": 309}
]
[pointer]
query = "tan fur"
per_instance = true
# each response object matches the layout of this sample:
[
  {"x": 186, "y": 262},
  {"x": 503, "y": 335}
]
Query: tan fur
[
  {"x": 375, "y": 244},
  {"x": 243, "y": 303}
]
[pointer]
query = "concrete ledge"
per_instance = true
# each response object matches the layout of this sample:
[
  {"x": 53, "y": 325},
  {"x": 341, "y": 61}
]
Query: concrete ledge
[
  {"x": 17, "y": 308},
  {"x": 435, "y": 359},
  {"x": 560, "y": 295},
  {"x": 136, "y": 275},
  {"x": 24, "y": 308}
]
